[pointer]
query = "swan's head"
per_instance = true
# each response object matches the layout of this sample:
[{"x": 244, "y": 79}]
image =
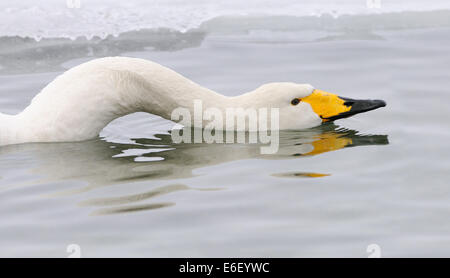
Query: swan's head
[{"x": 303, "y": 106}]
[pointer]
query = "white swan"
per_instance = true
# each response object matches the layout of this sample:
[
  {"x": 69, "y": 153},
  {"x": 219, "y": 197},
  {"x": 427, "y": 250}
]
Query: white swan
[{"x": 78, "y": 104}]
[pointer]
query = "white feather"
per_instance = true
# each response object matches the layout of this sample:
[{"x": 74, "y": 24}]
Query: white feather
[{"x": 78, "y": 104}]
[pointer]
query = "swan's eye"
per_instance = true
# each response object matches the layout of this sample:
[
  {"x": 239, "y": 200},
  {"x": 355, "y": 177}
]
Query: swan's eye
[{"x": 295, "y": 101}]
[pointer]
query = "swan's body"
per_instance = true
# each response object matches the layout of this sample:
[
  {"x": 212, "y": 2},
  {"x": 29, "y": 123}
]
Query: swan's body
[{"x": 78, "y": 104}]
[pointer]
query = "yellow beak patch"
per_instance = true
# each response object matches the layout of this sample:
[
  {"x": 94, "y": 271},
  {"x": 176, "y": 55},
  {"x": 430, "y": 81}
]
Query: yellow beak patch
[{"x": 326, "y": 105}]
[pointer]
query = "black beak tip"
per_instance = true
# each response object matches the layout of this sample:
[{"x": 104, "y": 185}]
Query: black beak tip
[
  {"x": 380, "y": 103},
  {"x": 367, "y": 105},
  {"x": 358, "y": 106}
]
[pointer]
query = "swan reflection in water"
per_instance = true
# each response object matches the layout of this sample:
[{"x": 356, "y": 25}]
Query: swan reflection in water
[{"x": 100, "y": 163}]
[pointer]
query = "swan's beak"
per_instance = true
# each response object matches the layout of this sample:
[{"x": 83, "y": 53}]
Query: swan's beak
[{"x": 331, "y": 107}]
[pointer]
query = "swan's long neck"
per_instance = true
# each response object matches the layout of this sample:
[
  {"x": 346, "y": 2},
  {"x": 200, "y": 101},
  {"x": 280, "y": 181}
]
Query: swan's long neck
[{"x": 78, "y": 104}]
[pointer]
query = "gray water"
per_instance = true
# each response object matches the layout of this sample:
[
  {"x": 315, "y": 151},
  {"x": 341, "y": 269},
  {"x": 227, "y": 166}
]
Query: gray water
[{"x": 378, "y": 178}]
